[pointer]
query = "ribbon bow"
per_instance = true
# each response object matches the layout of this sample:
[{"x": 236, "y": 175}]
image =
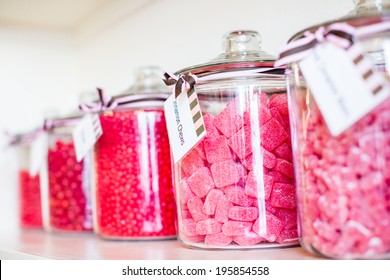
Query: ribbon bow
[
  {"x": 182, "y": 83},
  {"x": 105, "y": 102},
  {"x": 340, "y": 34}
]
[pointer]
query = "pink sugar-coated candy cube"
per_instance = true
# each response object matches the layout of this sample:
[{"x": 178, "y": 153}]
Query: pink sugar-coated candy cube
[
  {"x": 284, "y": 152},
  {"x": 201, "y": 182},
  {"x": 283, "y": 196},
  {"x": 188, "y": 227},
  {"x": 237, "y": 195},
  {"x": 269, "y": 159},
  {"x": 241, "y": 170},
  {"x": 211, "y": 201},
  {"x": 248, "y": 162},
  {"x": 264, "y": 99},
  {"x": 236, "y": 228},
  {"x": 261, "y": 184},
  {"x": 228, "y": 121},
  {"x": 241, "y": 142},
  {"x": 195, "y": 206},
  {"x": 249, "y": 239},
  {"x": 279, "y": 178},
  {"x": 217, "y": 149},
  {"x": 271, "y": 230},
  {"x": 272, "y": 134},
  {"x": 269, "y": 208},
  {"x": 244, "y": 214},
  {"x": 185, "y": 214},
  {"x": 222, "y": 209},
  {"x": 286, "y": 121},
  {"x": 200, "y": 148},
  {"x": 288, "y": 236},
  {"x": 185, "y": 192},
  {"x": 279, "y": 101},
  {"x": 284, "y": 167},
  {"x": 225, "y": 173},
  {"x": 208, "y": 226},
  {"x": 276, "y": 115},
  {"x": 211, "y": 130},
  {"x": 192, "y": 239},
  {"x": 218, "y": 239},
  {"x": 191, "y": 162},
  {"x": 288, "y": 217}
]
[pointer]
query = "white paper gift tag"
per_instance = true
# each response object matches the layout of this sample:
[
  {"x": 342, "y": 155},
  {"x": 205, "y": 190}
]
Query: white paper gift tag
[
  {"x": 37, "y": 153},
  {"x": 185, "y": 123},
  {"x": 344, "y": 84},
  {"x": 85, "y": 134}
]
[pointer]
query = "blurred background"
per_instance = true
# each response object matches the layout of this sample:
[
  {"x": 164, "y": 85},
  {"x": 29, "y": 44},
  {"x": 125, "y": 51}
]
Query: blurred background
[{"x": 53, "y": 51}]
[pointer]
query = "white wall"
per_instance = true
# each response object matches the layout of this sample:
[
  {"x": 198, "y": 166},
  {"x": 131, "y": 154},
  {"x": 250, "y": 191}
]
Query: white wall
[
  {"x": 38, "y": 73},
  {"x": 42, "y": 70},
  {"x": 175, "y": 33}
]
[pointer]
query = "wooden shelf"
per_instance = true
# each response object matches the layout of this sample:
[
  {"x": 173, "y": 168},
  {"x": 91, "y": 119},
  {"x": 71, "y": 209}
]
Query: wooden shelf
[{"x": 40, "y": 245}]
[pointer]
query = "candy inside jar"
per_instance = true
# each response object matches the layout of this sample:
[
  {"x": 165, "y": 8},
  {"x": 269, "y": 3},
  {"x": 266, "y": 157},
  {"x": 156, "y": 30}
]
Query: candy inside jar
[
  {"x": 132, "y": 166},
  {"x": 67, "y": 189},
  {"x": 133, "y": 176},
  {"x": 236, "y": 187}
]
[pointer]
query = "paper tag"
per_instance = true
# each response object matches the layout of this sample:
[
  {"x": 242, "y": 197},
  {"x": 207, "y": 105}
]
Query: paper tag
[
  {"x": 37, "y": 153},
  {"x": 344, "y": 84},
  {"x": 85, "y": 134},
  {"x": 184, "y": 123}
]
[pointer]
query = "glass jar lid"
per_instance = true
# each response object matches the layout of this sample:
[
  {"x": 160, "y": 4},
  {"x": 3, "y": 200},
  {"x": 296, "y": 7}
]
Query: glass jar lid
[
  {"x": 147, "y": 80},
  {"x": 242, "y": 50},
  {"x": 364, "y": 12}
]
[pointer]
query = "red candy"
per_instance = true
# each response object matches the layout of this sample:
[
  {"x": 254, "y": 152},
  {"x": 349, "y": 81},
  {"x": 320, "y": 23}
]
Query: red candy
[
  {"x": 69, "y": 194},
  {"x": 133, "y": 169},
  {"x": 246, "y": 167},
  {"x": 30, "y": 214}
]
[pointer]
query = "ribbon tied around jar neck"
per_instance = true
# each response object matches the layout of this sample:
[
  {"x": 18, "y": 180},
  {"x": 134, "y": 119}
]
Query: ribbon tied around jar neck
[
  {"x": 342, "y": 35},
  {"x": 181, "y": 83}
]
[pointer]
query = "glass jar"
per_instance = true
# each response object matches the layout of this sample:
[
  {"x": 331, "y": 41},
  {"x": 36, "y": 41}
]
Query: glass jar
[
  {"x": 343, "y": 183},
  {"x": 29, "y": 194},
  {"x": 132, "y": 169},
  {"x": 66, "y": 183},
  {"x": 235, "y": 188}
]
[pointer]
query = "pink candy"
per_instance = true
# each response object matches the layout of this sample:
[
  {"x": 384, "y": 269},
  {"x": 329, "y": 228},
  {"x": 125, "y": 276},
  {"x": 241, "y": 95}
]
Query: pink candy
[
  {"x": 344, "y": 186},
  {"x": 241, "y": 166}
]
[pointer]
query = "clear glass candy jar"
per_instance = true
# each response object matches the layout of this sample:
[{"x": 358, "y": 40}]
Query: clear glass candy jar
[
  {"x": 343, "y": 182},
  {"x": 29, "y": 193},
  {"x": 66, "y": 182},
  {"x": 235, "y": 189},
  {"x": 132, "y": 169}
]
